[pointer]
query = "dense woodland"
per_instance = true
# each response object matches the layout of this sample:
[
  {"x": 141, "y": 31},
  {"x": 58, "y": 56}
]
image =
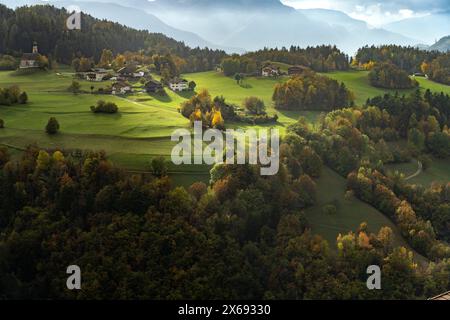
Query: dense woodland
[
  {"x": 409, "y": 59},
  {"x": 320, "y": 59},
  {"x": 434, "y": 64},
  {"x": 423, "y": 215},
  {"x": 311, "y": 91},
  {"x": 439, "y": 69},
  {"x": 244, "y": 237},
  {"x": 388, "y": 75}
]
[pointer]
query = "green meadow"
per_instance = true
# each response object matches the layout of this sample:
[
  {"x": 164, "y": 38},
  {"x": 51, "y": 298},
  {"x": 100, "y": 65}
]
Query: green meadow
[
  {"x": 439, "y": 171},
  {"x": 140, "y": 130},
  {"x": 358, "y": 82},
  {"x": 263, "y": 88}
]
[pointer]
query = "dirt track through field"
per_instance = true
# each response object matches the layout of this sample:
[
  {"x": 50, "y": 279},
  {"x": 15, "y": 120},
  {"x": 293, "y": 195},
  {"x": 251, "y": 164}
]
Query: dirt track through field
[{"x": 419, "y": 171}]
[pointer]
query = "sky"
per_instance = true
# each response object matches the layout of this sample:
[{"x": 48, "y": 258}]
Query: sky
[{"x": 376, "y": 12}]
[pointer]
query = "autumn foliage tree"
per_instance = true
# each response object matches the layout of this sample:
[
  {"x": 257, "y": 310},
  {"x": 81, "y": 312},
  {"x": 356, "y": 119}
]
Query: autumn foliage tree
[{"x": 311, "y": 91}]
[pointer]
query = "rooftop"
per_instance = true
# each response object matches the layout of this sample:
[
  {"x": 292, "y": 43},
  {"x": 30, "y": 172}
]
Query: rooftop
[
  {"x": 177, "y": 80},
  {"x": 30, "y": 56},
  {"x": 443, "y": 296}
]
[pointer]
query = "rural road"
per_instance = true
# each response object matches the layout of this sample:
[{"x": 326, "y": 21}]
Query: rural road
[{"x": 419, "y": 171}]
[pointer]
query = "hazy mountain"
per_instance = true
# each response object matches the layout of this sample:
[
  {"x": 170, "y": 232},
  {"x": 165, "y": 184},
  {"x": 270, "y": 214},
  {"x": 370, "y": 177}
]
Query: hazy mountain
[
  {"x": 361, "y": 33},
  {"x": 442, "y": 45},
  {"x": 253, "y": 24},
  {"x": 334, "y": 18},
  {"x": 248, "y": 24},
  {"x": 427, "y": 29}
]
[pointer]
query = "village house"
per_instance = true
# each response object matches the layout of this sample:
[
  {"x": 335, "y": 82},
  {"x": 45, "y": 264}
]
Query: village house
[
  {"x": 30, "y": 60},
  {"x": 296, "y": 70},
  {"x": 121, "y": 88},
  {"x": 97, "y": 74},
  {"x": 178, "y": 84},
  {"x": 270, "y": 71},
  {"x": 153, "y": 86},
  {"x": 129, "y": 72}
]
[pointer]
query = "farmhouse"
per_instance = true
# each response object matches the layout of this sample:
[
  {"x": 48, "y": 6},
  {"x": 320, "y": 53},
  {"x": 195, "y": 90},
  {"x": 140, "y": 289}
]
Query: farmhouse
[
  {"x": 129, "y": 72},
  {"x": 178, "y": 84},
  {"x": 121, "y": 88},
  {"x": 153, "y": 86},
  {"x": 30, "y": 60},
  {"x": 270, "y": 71},
  {"x": 97, "y": 74},
  {"x": 295, "y": 70}
]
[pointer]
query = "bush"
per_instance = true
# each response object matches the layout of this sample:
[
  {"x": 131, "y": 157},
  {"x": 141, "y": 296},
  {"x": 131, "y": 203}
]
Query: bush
[
  {"x": 254, "y": 105},
  {"x": 159, "y": 167},
  {"x": 12, "y": 95},
  {"x": 2, "y": 124},
  {"x": 52, "y": 126},
  {"x": 74, "y": 87},
  {"x": 8, "y": 62},
  {"x": 105, "y": 107},
  {"x": 23, "y": 98},
  {"x": 426, "y": 161}
]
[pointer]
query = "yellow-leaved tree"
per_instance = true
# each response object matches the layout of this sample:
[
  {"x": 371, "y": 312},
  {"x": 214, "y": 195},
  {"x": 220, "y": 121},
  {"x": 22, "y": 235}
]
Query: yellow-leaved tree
[{"x": 217, "y": 120}]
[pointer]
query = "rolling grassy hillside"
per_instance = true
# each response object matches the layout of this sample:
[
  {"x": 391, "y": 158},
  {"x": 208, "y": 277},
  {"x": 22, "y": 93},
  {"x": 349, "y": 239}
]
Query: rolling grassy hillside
[
  {"x": 144, "y": 124},
  {"x": 142, "y": 127},
  {"x": 358, "y": 82},
  {"x": 263, "y": 88}
]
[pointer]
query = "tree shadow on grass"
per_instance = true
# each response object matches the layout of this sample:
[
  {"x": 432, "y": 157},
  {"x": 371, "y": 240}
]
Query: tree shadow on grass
[
  {"x": 115, "y": 116},
  {"x": 245, "y": 86},
  {"x": 186, "y": 94},
  {"x": 161, "y": 98}
]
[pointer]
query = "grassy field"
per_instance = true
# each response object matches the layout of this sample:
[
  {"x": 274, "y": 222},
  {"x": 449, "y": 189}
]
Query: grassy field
[
  {"x": 358, "y": 82},
  {"x": 263, "y": 88},
  {"x": 144, "y": 124},
  {"x": 350, "y": 213},
  {"x": 139, "y": 131},
  {"x": 439, "y": 171}
]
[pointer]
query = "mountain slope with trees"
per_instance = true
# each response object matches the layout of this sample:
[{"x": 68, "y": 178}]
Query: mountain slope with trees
[{"x": 46, "y": 25}]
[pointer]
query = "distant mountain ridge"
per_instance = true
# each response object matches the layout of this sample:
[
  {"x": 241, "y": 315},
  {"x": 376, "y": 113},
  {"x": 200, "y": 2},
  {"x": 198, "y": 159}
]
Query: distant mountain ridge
[
  {"x": 255, "y": 24},
  {"x": 428, "y": 29},
  {"x": 442, "y": 45},
  {"x": 235, "y": 24}
]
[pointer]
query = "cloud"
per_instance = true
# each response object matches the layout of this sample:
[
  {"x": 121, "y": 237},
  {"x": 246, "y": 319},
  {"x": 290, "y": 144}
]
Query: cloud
[{"x": 376, "y": 12}]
